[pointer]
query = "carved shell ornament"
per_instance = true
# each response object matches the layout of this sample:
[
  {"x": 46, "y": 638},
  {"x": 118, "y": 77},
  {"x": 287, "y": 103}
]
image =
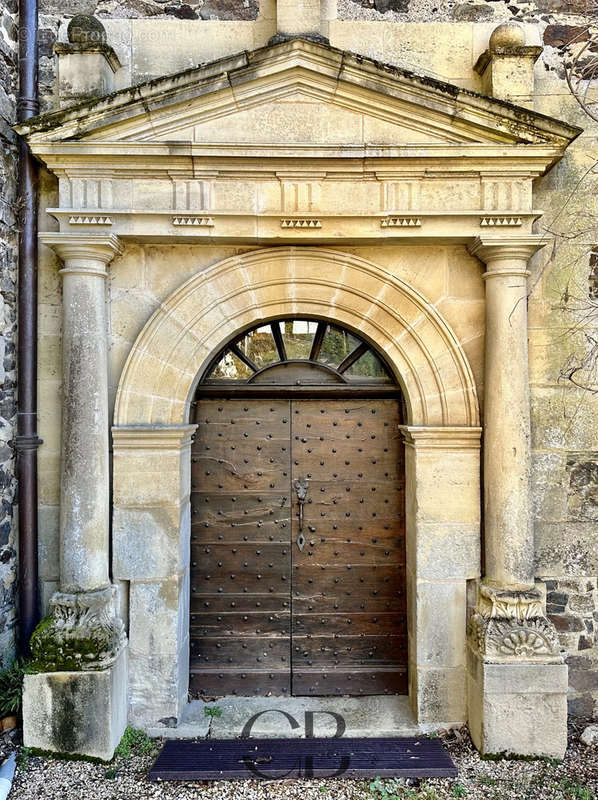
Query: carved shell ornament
[
  {"x": 524, "y": 642},
  {"x": 515, "y": 638}
]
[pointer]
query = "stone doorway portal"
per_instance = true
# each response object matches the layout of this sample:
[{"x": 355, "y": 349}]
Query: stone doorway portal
[{"x": 298, "y": 524}]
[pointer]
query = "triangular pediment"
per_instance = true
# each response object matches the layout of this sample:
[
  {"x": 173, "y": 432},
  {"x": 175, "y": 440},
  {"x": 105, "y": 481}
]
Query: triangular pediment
[{"x": 298, "y": 92}]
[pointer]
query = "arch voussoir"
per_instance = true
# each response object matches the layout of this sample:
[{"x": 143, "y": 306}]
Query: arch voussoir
[{"x": 159, "y": 376}]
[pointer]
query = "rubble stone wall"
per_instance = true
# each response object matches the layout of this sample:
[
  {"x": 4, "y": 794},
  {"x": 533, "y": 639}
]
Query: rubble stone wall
[{"x": 8, "y": 276}]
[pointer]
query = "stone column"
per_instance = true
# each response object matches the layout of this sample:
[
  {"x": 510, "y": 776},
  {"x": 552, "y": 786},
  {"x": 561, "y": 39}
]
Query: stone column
[
  {"x": 517, "y": 676},
  {"x": 507, "y": 523},
  {"x": 83, "y": 635}
]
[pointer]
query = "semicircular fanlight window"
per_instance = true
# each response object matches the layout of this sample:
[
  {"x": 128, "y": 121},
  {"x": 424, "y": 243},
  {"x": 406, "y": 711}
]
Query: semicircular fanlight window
[{"x": 296, "y": 351}]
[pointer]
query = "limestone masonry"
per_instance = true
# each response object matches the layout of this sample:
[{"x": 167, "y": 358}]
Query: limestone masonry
[{"x": 418, "y": 173}]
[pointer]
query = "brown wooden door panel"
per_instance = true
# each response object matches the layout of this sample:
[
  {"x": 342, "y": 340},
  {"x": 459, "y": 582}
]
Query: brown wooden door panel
[
  {"x": 251, "y": 601},
  {"x": 350, "y": 454},
  {"x": 345, "y": 578},
  {"x": 329, "y": 650},
  {"x": 258, "y": 514},
  {"x": 353, "y": 553},
  {"x": 327, "y": 604},
  {"x": 341, "y": 624},
  {"x": 240, "y": 623},
  {"x": 241, "y": 445},
  {"x": 345, "y": 466},
  {"x": 240, "y": 547},
  {"x": 241, "y": 680},
  {"x": 334, "y": 612},
  {"x": 350, "y": 680},
  {"x": 352, "y": 529},
  {"x": 235, "y": 472},
  {"x": 253, "y": 651},
  {"x": 220, "y": 559}
]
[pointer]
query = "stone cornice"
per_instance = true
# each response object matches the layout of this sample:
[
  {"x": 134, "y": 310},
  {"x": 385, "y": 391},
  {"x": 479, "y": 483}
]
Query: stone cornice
[
  {"x": 76, "y": 49},
  {"x": 496, "y": 249},
  {"x": 175, "y": 225},
  {"x": 153, "y": 159},
  {"x": 333, "y": 75},
  {"x": 441, "y": 438},
  {"x": 531, "y": 52},
  {"x": 81, "y": 247},
  {"x": 152, "y": 437}
]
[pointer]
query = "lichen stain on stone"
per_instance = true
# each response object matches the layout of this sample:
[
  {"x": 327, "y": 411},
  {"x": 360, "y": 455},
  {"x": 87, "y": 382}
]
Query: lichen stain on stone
[
  {"x": 566, "y": 558},
  {"x": 169, "y": 594},
  {"x": 66, "y": 721},
  {"x": 582, "y": 497}
]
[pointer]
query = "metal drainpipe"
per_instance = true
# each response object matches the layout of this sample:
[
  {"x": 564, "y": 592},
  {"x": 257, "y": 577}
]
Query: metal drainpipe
[{"x": 26, "y": 440}]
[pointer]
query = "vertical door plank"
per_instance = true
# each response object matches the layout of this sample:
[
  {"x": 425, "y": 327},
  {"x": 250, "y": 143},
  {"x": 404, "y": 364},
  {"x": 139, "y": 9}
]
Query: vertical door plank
[
  {"x": 349, "y": 629},
  {"x": 240, "y": 548}
]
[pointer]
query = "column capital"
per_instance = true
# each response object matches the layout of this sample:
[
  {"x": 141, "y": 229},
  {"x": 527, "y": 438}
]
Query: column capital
[
  {"x": 491, "y": 249},
  {"x": 83, "y": 246},
  {"x": 152, "y": 437},
  {"x": 441, "y": 437}
]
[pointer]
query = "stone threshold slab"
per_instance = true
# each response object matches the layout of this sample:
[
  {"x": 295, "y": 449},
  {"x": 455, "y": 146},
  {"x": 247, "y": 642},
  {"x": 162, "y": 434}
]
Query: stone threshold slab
[{"x": 373, "y": 716}]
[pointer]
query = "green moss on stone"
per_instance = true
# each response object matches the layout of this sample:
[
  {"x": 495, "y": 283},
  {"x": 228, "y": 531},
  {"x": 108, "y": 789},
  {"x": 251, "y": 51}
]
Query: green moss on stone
[{"x": 53, "y": 652}]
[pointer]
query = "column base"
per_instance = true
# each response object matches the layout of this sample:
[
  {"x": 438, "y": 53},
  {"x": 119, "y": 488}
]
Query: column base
[
  {"x": 517, "y": 709},
  {"x": 79, "y": 713},
  {"x": 516, "y": 676}
]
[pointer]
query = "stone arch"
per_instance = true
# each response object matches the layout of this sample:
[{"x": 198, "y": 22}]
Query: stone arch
[{"x": 161, "y": 372}]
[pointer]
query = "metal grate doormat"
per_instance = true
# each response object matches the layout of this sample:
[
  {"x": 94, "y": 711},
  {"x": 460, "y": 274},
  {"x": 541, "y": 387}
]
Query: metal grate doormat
[{"x": 227, "y": 759}]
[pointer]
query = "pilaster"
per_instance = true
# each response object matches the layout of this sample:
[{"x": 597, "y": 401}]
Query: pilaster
[
  {"x": 442, "y": 509},
  {"x": 151, "y": 550}
]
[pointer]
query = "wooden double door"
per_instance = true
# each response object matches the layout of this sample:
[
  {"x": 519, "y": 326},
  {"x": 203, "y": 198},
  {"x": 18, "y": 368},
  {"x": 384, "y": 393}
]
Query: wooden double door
[{"x": 297, "y": 548}]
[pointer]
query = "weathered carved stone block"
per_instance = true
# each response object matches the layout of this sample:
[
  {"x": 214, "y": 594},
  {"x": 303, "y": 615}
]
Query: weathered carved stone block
[
  {"x": 509, "y": 625},
  {"x": 82, "y": 632}
]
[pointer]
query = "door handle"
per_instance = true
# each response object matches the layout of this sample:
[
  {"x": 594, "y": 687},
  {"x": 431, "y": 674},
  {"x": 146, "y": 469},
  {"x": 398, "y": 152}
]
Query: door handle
[{"x": 301, "y": 485}]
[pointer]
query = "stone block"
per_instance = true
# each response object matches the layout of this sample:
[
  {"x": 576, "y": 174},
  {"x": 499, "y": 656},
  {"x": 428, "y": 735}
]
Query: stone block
[
  {"x": 48, "y": 543},
  {"x": 563, "y": 419},
  {"x": 153, "y": 55},
  {"x": 447, "y": 485},
  {"x": 85, "y": 72},
  {"x": 548, "y": 486},
  {"x": 440, "y": 623},
  {"x": 447, "y": 550},
  {"x": 517, "y": 708},
  {"x": 79, "y": 713},
  {"x": 159, "y": 649},
  {"x": 423, "y": 267},
  {"x": 150, "y": 542},
  {"x": 441, "y": 695},
  {"x": 566, "y": 547},
  {"x": 298, "y": 17}
]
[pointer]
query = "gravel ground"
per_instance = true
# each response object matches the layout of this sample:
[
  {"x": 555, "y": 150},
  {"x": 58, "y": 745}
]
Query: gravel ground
[{"x": 576, "y": 778}]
